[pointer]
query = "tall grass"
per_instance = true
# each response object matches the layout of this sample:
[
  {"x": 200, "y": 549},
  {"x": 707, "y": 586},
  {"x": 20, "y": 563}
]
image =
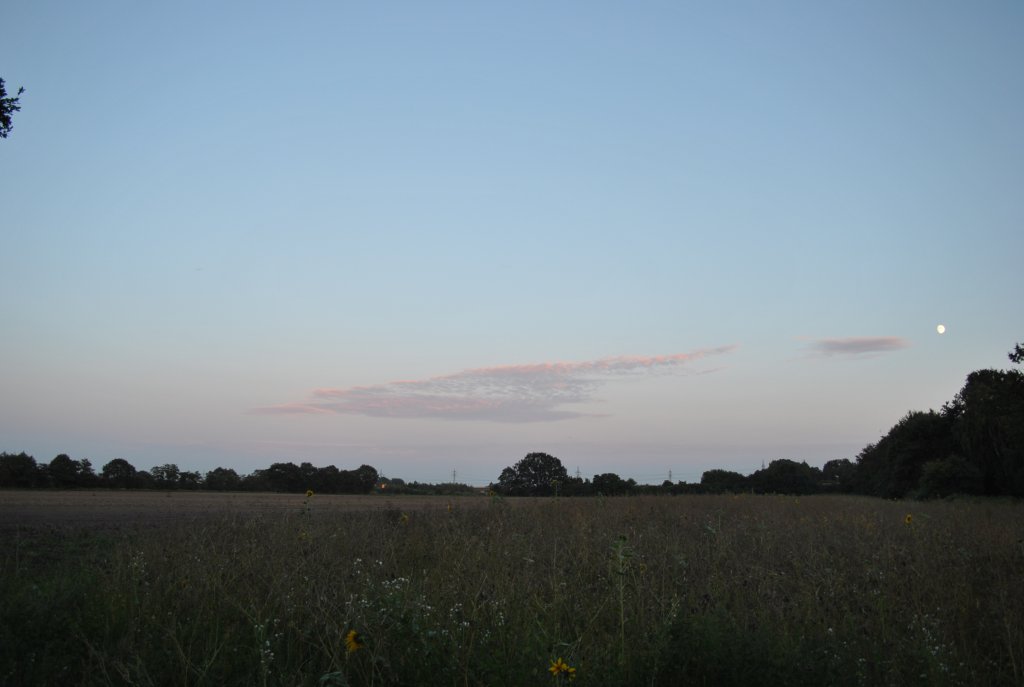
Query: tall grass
[{"x": 633, "y": 591}]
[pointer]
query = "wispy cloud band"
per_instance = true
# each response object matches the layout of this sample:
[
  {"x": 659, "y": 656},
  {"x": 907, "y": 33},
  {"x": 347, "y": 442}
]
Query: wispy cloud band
[
  {"x": 507, "y": 393},
  {"x": 858, "y": 346}
]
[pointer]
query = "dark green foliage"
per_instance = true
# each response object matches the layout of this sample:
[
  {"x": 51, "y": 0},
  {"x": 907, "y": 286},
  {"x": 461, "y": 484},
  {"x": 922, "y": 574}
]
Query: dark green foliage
[
  {"x": 63, "y": 471},
  {"x": 975, "y": 445},
  {"x": 292, "y": 478},
  {"x": 892, "y": 467},
  {"x": 222, "y": 479},
  {"x": 119, "y": 473},
  {"x": 988, "y": 417},
  {"x": 577, "y": 486},
  {"x": 786, "y": 477},
  {"x": 165, "y": 476},
  {"x": 18, "y": 470},
  {"x": 365, "y": 479},
  {"x": 285, "y": 477},
  {"x": 721, "y": 481},
  {"x": 189, "y": 479},
  {"x": 21, "y": 470},
  {"x": 255, "y": 481},
  {"x": 839, "y": 475},
  {"x": 86, "y": 475},
  {"x": 144, "y": 480},
  {"x": 538, "y": 474},
  {"x": 951, "y": 475},
  {"x": 610, "y": 484},
  {"x": 714, "y": 649},
  {"x": 8, "y": 106}
]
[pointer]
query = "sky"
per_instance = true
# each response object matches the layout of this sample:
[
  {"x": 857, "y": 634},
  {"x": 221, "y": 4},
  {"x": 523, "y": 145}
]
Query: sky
[{"x": 649, "y": 238}]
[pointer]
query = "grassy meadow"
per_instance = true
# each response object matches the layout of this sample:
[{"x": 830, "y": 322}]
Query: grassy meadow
[{"x": 698, "y": 590}]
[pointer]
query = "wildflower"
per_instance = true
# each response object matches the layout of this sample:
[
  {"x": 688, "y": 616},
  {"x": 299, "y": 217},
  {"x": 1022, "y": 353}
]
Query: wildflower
[
  {"x": 309, "y": 493},
  {"x": 559, "y": 667},
  {"x": 404, "y": 519},
  {"x": 908, "y": 519},
  {"x": 354, "y": 642}
]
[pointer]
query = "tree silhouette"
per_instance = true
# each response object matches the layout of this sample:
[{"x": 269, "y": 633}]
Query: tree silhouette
[
  {"x": 892, "y": 467},
  {"x": 166, "y": 476},
  {"x": 366, "y": 478},
  {"x": 286, "y": 477},
  {"x": 63, "y": 471},
  {"x": 222, "y": 479},
  {"x": 611, "y": 484},
  {"x": 8, "y": 106},
  {"x": 718, "y": 481},
  {"x": 538, "y": 474},
  {"x": 839, "y": 475},
  {"x": 18, "y": 470},
  {"x": 786, "y": 477},
  {"x": 119, "y": 473},
  {"x": 1017, "y": 354},
  {"x": 988, "y": 425}
]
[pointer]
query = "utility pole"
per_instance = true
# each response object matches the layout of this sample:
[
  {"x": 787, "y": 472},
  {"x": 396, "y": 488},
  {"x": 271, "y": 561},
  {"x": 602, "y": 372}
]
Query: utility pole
[{"x": 453, "y": 476}]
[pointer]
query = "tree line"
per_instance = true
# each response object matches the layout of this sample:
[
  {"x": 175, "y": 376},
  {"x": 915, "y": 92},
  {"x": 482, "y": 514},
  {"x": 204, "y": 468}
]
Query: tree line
[
  {"x": 22, "y": 470},
  {"x": 974, "y": 445},
  {"x": 541, "y": 474}
]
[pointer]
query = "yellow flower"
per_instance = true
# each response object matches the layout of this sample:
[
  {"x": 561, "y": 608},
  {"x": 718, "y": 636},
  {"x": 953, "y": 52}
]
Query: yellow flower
[
  {"x": 354, "y": 642},
  {"x": 909, "y": 519},
  {"x": 309, "y": 493},
  {"x": 558, "y": 667}
]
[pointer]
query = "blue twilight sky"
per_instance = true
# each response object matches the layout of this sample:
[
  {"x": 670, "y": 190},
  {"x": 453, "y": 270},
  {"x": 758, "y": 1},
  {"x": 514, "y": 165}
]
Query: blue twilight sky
[{"x": 436, "y": 236}]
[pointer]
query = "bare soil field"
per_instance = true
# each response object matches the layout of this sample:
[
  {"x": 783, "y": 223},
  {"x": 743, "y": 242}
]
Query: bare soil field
[{"x": 109, "y": 508}]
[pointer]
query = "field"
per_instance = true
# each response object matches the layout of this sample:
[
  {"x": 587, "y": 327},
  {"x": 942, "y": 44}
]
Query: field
[
  {"x": 142, "y": 588},
  {"x": 112, "y": 508}
]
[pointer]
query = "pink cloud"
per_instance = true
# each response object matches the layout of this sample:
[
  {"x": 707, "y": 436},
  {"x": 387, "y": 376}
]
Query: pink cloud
[
  {"x": 859, "y": 346},
  {"x": 506, "y": 393}
]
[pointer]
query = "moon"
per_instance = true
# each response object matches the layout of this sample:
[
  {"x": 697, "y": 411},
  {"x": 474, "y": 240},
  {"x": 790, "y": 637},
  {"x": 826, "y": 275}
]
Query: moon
[{"x": 941, "y": 329}]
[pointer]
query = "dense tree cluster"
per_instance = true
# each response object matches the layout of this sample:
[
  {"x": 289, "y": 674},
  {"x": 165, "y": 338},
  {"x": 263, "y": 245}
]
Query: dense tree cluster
[
  {"x": 780, "y": 477},
  {"x": 973, "y": 445},
  {"x": 21, "y": 470},
  {"x": 538, "y": 474}
]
